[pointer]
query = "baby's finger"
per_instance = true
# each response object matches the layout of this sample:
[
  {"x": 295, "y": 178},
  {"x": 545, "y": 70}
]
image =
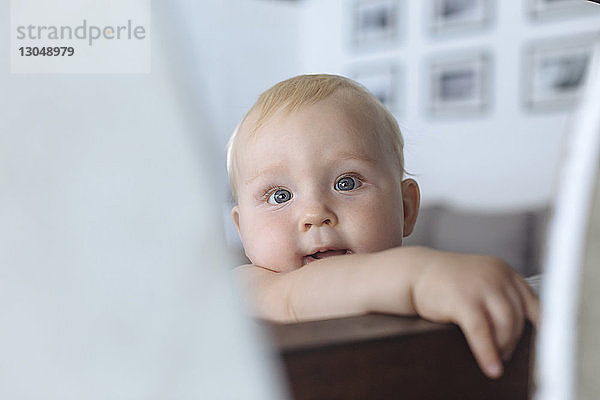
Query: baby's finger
[
  {"x": 477, "y": 329},
  {"x": 531, "y": 302},
  {"x": 506, "y": 319},
  {"x": 519, "y": 309}
]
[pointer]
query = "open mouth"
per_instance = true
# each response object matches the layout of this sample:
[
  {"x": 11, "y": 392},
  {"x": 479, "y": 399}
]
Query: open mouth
[{"x": 321, "y": 254}]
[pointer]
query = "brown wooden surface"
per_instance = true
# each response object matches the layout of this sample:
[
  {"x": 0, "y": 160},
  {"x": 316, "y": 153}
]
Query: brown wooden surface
[{"x": 387, "y": 357}]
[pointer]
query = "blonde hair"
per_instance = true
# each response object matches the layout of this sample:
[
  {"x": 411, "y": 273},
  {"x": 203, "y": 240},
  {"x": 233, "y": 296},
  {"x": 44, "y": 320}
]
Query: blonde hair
[{"x": 291, "y": 94}]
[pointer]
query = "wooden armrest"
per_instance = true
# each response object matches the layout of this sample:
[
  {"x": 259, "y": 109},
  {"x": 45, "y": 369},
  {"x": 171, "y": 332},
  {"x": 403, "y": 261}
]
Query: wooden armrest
[{"x": 386, "y": 357}]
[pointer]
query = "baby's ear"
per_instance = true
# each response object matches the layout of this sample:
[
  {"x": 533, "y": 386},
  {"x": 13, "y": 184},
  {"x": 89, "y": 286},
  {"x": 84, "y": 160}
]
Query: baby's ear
[
  {"x": 235, "y": 217},
  {"x": 411, "y": 198}
]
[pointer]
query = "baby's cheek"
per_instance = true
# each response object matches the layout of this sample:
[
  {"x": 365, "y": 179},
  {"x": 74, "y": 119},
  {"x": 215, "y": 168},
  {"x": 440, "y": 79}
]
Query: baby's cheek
[
  {"x": 385, "y": 228},
  {"x": 271, "y": 249}
]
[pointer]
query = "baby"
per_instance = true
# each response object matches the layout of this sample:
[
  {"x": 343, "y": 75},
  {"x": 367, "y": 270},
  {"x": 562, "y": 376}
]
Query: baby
[{"x": 316, "y": 169}]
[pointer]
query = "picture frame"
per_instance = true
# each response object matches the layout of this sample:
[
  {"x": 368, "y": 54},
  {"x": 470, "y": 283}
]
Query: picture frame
[
  {"x": 459, "y": 85},
  {"x": 375, "y": 23},
  {"x": 555, "y": 72},
  {"x": 561, "y": 9},
  {"x": 448, "y": 16},
  {"x": 384, "y": 81}
]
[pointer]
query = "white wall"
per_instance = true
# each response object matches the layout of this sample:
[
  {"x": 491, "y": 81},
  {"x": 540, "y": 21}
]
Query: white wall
[
  {"x": 505, "y": 158},
  {"x": 240, "y": 48}
]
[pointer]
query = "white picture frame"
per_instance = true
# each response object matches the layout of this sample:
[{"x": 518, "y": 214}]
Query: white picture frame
[
  {"x": 448, "y": 16},
  {"x": 384, "y": 81},
  {"x": 375, "y": 23},
  {"x": 459, "y": 85},
  {"x": 561, "y": 9},
  {"x": 555, "y": 71}
]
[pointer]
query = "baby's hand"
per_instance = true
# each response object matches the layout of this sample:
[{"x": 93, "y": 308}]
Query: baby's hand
[{"x": 482, "y": 295}]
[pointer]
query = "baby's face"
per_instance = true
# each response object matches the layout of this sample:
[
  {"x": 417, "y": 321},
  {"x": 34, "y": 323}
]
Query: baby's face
[{"x": 315, "y": 183}]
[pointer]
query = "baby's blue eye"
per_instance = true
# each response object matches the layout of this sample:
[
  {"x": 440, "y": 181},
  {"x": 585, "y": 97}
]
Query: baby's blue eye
[
  {"x": 346, "y": 183},
  {"x": 280, "y": 196}
]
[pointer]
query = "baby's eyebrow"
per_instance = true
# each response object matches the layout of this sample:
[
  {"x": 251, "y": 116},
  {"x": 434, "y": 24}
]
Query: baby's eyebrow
[
  {"x": 355, "y": 156},
  {"x": 268, "y": 169},
  {"x": 278, "y": 167}
]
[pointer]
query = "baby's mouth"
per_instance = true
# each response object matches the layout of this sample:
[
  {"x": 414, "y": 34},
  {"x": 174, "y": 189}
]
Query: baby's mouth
[{"x": 321, "y": 254}]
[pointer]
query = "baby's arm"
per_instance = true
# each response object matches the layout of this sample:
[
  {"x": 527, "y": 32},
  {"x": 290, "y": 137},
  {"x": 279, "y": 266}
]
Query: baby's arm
[
  {"x": 330, "y": 288},
  {"x": 479, "y": 293}
]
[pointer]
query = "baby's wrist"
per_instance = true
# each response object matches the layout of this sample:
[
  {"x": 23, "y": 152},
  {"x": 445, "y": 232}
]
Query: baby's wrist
[{"x": 391, "y": 275}]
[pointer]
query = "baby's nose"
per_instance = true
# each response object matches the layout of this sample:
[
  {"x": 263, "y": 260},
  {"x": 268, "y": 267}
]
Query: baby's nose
[{"x": 316, "y": 217}]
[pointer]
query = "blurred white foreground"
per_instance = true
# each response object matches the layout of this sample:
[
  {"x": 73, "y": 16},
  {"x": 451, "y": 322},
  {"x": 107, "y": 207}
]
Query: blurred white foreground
[
  {"x": 561, "y": 374},
  {"x": 114, "y": 279}
]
